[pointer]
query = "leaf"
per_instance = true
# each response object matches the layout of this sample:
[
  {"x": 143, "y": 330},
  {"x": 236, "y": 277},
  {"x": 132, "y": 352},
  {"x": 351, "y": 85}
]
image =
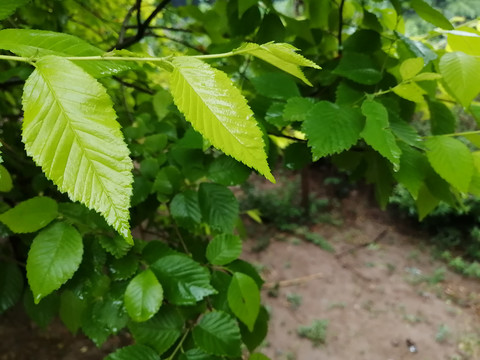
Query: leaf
[
  {"x": 134, "y": 352},
  {"x": 185, "y": 209},
  {"x": 6, "y": 183},
  {"x": 40, "y": 43},
  {"x": 161, "y": 331},
  {"x": 54, "y": 256},
  {"x": 184, "y": 280},
  {"x": 280, "y": 55},
  {"x": 253, "y": 339},
  {"x": 219, "y": 207},
  {"x": 464, "y": 39},
  {"x": 244, "y": 299},
  {"x": 413, "y": 169},
  {"x": 217, "y": 333},
  {"x": 410, "y": 91},
  {"x": 144, "y": 296},
  {"x": 276, "y": 86},
  {"x": 71, "y": 310},
  {"x": 11, "y": 285},
  {"x": 297, "y": 156},
  {"x": 244, "y": 5},
  {"x": 297, "y": 108},
  {"x": 358, "y": 67},
  {"x": 30, "y": 215},
  {"x": 377, "y": 134},
  {"x": 223, "y": 249},
  {"x": 362, "y": 40},
  {"x": 331, "y": 128},
  {"x": 428, "y": 13},
  {"x": 258, "y": 356},
  {"x": 69, "y": 129},
  {"x": 197, "y": 354},
  {"x": 247, "y": 269},
  {"x": 461, "y": 73},
  {"x": 227, "y": 171},
  {"x": 8, "y": 7},
  {"x": 425, "y": 202},
  {"x": 123, "y": 268},
  {"x": 44, "y": 312},
  {"x": 218, "y": 111},
  {"x": 442, "y": 121},
  {"x": 451, "y": 159},
  {"x": 116, "y": 246},
  {"x": 411, "y": 67}
]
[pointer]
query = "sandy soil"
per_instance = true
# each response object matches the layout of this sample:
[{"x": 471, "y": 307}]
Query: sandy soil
[{"x": 379, "y": 299}]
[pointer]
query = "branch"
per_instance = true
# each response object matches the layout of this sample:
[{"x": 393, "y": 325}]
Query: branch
[
  {"x": 134, "y": 86},
  {"x": 184, "y": 43},
  {"x": 142, "y": 27},
  {"x": 124, "y": 27},
  {"x": 160, "y": 27}
]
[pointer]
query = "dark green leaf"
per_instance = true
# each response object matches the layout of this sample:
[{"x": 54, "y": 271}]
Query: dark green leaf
[
  {"x": 134, "y": 352},
  {"x": 227, "y": 171},
  {"x": 255, "y": 338},
  {"x": 11, "y": 285},
  {"x": 442, "y": 120},
  {"x": 358, "y": 67},
  {"x": 71, "y": 310},
  {"x": 276, "y": 86},
  {"x": 217, "y": 333},
  {"x": 117, "y": 246},
  {"x": 297, "y": 156},
  {"x": 219, "y": 207},
  {"x": 297, "y": 108},
  {"x": 8, "y": 7},
  {"x": 430, "y": 14}
]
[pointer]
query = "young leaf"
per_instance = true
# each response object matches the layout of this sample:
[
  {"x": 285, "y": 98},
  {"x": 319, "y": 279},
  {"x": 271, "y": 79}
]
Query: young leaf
[
  {"x": 217, "y": 333},
  {"x": 223, "y": 249},
  {"x": 161, "y": 331},
  {"x": 134, "y": 352},
  {"x": 30, "y": 215},
  {"x": 331, "y": 128},
  {"x": 377, "y": 134},
  {"x": 461, "y": 73},
  {"x": 411, "y": 67},
  {"x": 39, "y": 43},
  {"x": 219, "y": 206},
  {"x": 280, "y": 55},
  {"x": 244, "y": 299},
  {"x": 69, "y": 129},
  {"x": 54, "y": 256},
  {"x": 428, "y": 13},
  {"x": 219, "y": 112},
  {"x": 465, "y": 39},
  {"x": 144, "y": 296},
  {"x": 410, "y": 91},
  {"x": 11, "y": 285},
  {"x": 451, "y": 159},
  {"x": 184, "y": 280},
  {"x": 8, "y": 7}
]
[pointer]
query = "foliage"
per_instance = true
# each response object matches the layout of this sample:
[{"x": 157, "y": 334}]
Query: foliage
[
  {"x": 315, "y": 332},
  {"x": 117, "y": 162}
]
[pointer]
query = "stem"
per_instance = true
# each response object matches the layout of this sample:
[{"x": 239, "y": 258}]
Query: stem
[
  {"x": 15, "y": 58},
  {"x": 465, "y": 133},
  {"x": 222, "y": 55},
  {"x": 179, "y": 345},
  {"x": 340, "y": 26}
]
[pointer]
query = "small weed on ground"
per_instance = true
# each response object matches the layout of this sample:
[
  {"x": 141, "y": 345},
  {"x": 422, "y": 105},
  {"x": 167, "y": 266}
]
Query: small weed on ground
[
  {"x": 316, "y": 332},
  {"x": 295, "y": 300},
  {"x": 443, "y": 333}
]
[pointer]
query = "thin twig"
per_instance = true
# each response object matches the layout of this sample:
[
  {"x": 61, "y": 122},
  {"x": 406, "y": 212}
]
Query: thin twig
[
  {"x": 377, "y": 239},
  {"x": 292, "y": 282},
  {"x": 134, "y": 86},
  {"x": 181, "y": 42},
  {"x": 160, "y": 27},
  {"x": 340, "y": 27},
  {"x": 125, "y": 26}
]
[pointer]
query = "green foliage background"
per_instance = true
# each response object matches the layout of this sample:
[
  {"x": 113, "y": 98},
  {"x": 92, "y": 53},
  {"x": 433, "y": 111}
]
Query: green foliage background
[{"x": 123, "y": 124}]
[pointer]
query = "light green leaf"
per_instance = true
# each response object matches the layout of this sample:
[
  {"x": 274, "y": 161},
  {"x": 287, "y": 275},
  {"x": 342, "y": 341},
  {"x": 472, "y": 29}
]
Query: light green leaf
[
  {"x": 377, "y": 134},
  {"x": 161, "y": 331},
  {"x": 427, "y": 76},
  {"x": 219, "y": 206},
  {"x": 244, "y": 299},
  {"x": 184, "y": 280},
  {"x": 428, "y": 13},
  {"x": 11, "y": 285},
  {"x": 144, "y": 296},
  {"x": 30, "y": 215},
  {"x": 39, "y": 43},
  {"x": 217, "y": 333},
  {"x": 223, "y": 249},
  {"x": 280, "y": 55},
  {"x": 411, "y": 67},
  {"x": 134, "y": 352},
  {"x": 410, "y": 91},
  {"x": 451, "y": 159},
  {"x": 6, "y": 183},
  {"x": 69, "y": 129},
  {"x": 8, "y": 7},
  {"x": 461, "y": 73},
  {"x": 464, "y": 39},
  {"x": 475, "y": 183},
  {"x": 331, "y": 128},
  {"x": 219, "y": 112},
  {"x": 425, "y": 202},
  {"x": 54, "y": 256}
]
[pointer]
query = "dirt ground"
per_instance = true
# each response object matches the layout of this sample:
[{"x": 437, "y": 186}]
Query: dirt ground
[
  {"x": 381, "y": 291},
  {"x": 388, "y": 300}
]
